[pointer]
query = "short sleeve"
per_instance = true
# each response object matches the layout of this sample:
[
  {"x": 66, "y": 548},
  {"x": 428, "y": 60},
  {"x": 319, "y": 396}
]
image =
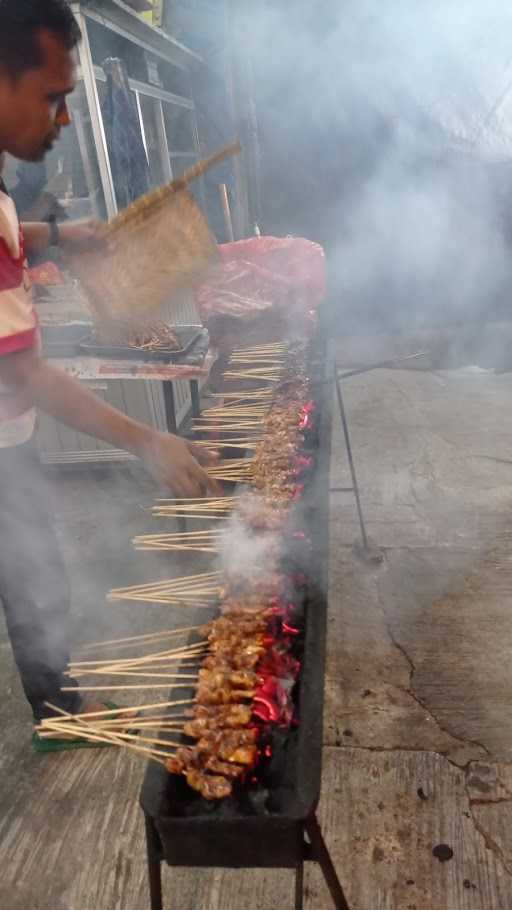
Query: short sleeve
[{"x": 18, "y": 322}]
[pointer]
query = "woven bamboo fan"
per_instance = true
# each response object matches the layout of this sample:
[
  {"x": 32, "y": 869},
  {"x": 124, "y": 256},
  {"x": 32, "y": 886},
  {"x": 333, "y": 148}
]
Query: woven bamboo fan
[{"x": 158, "y": 245}]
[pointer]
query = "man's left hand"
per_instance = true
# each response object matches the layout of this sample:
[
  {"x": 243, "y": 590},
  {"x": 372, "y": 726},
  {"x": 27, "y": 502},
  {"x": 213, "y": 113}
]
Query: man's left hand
[{"x": 85, "y": 234}]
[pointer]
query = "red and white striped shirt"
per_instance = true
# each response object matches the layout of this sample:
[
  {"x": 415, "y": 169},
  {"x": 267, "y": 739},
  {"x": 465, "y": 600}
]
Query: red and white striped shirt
[{"x": 18, "y": 322}]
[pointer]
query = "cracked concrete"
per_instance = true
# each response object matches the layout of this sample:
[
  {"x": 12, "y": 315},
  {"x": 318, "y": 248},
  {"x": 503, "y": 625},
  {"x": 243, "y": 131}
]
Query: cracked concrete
[{"x": 419, "y": 647}]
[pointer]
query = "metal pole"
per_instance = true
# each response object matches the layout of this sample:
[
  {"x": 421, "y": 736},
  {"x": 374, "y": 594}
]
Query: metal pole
[
  {"x": 154, "y": 866},
  {"x": 299, "y": 886},
  {"x": 93, "y": 102},
  {"x": 350, "y": 458},
  {"x": 224, "y": 198}
]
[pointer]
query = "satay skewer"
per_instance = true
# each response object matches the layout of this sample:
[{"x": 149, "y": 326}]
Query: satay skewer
[
  {"x": 123, "y": 688},
  {"x": 136, "y": 639},
  {"x": 181, "y": 583},
  {"x": 175, "y": 655},
  {"x": 113, "y": 712},
  {"x": 73, "y": 723},
  {"x": 83, "y": 732},
  {"x": 140, "y": 674},
  {"x": 150, "y": 723}
]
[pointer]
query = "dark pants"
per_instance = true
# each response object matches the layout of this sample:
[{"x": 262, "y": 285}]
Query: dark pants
[{"x": 34, "y": 588}]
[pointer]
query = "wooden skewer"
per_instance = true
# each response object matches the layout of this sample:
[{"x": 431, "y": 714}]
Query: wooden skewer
[
  {"x": 263, "y": 371},
  {"x": 178, "y": 536},
  {"x": 133, "y": 670},
  {"x": 183, "y": 582},
  {"x": 113, "y": 712},
  {"x": 258, "y": 348},
  {"x": 174, "y": 654},
  {"x": 126, "y": 688},
  {"x": 170, "y": 744},
  {"x": 140, "y": 674},
  {"x": 244, "y": 394},
  {"x": 232, "y": 413},
  {"x": 173, "y": 595},
  {"x": 186, "y": 535},
  {"x": 181, "y": 548},
  {"x": 114, "y": 740},
  {"x": 227, "y": 507},
  {"x": 71, "y": 723},
  {"x": 232, "y": 375},
  {"x": 221, "y": 429},
  {"x": 140, "y": 638},
  {"x": 149, "y": 722},
  {"x": 230, "y": 445},
  {"x": 136, "y": 663},
  {"x": 191, "y": 664},
  {"x": 199, "y": 603},
  {"x": 84, "y": 730},
  {"x": 204, "y": 499},
  {"x": 256, "y": 359},
  {"x": 199, "y": 516}
]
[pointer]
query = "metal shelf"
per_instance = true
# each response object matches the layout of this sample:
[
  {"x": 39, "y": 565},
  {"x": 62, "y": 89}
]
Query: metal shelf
[{"x": 117, "y": 16}]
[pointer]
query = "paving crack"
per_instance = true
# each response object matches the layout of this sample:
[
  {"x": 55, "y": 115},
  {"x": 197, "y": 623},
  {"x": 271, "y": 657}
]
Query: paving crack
[
  {"x": 490, "y": 843},
  {"x": 408, "y": 690}
]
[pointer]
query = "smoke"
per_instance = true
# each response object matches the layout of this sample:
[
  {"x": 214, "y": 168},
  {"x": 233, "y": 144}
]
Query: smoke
[
  {"x": 247, "y": 554},
  {"x": 385, "y": 132}
]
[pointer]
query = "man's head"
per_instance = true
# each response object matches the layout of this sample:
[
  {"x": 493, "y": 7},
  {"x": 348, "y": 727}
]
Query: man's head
[{"x": 37, "y": 73}]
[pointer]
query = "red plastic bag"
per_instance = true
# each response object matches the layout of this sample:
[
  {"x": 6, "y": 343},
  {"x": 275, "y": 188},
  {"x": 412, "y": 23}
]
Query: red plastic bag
[{"x": 282, "y": 275}]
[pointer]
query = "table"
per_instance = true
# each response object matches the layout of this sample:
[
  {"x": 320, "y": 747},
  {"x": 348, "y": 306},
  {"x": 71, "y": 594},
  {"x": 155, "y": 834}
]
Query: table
[{"x": 93, "y": 369}]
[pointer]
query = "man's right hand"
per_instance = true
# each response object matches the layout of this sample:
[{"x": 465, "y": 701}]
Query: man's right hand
[{"x": 171, "y": 462}]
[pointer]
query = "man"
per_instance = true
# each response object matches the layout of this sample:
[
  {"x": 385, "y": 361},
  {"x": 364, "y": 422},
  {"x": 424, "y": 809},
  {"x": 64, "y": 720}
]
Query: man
[{"x": 37, "y": 73}]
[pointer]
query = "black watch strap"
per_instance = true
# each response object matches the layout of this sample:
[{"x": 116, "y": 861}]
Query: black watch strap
[{"x": 54, "y": 231}]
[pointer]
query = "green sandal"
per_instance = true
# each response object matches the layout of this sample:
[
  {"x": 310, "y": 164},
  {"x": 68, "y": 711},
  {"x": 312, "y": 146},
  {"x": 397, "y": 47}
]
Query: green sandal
[{"x": 43, "y": 745}]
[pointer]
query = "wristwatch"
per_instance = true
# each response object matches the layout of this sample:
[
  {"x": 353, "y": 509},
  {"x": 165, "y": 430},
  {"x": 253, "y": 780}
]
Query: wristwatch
[{"x": 54, "y": 231}]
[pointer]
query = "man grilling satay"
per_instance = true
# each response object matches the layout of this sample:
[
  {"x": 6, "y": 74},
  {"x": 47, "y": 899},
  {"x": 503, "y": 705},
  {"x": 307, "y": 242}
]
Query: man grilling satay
[{"x": 37, "y": 73}]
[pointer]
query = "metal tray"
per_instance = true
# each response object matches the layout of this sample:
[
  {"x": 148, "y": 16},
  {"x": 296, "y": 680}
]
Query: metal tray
[
  {"x": 187, "y": 334},
  {"x": 63, "y": 340}
]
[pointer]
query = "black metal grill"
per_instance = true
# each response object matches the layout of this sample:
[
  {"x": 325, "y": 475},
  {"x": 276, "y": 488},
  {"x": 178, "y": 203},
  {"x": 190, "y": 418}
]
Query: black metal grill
[{"x": 287, "y": 833}]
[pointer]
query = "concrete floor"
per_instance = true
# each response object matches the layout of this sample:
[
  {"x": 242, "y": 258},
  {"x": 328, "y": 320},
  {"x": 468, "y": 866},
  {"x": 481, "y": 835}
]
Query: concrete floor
[{"x": 418, "y": 735}]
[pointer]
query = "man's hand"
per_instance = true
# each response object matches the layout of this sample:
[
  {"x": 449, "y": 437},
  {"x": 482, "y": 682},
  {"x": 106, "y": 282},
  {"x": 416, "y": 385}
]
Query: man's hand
[
  {"x": 85, "y": 234},
  {"x": 172, "y": 461},
  {"x": 175, "y": 463}
]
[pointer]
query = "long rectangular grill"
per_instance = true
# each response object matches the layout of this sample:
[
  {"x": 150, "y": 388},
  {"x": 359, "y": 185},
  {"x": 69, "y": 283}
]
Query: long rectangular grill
[{"x": 267, "y": 830}]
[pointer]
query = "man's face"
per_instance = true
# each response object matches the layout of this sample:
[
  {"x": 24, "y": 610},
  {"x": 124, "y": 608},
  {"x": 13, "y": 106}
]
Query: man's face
[{"x": 33, "y": 108}]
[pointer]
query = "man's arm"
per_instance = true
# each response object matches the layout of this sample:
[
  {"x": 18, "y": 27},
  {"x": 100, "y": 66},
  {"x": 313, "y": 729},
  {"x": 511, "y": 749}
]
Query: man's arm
[
  {"x": 72, "y": 233},
  {"x": 167, "y": 457}
]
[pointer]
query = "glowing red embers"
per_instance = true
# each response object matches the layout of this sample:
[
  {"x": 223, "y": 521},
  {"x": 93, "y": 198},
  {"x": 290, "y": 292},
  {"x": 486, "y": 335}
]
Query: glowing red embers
[
  {"x": 305, "y": 415},
  {"x": 290, "y": 630},
  {"x": 272, "y": 703},
  {"x": 279, "y": 664},
  {"x": 301, "y": 463}
]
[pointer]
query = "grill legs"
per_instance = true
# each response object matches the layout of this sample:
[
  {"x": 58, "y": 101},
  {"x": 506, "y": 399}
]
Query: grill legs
[
  {"x": 315, "y": 850},
  {"x": 154, "y": 866},
  {"x": 320, "y": 853},
  {"x": 299, "y": 887}
]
